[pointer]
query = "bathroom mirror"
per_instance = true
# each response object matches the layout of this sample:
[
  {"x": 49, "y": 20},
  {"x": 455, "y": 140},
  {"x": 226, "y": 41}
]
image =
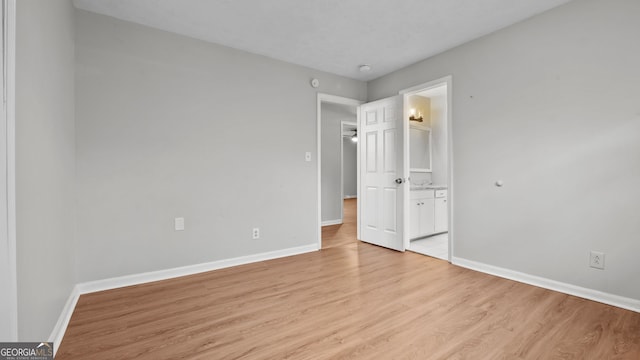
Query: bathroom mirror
[{"x": 419, "y": 149}]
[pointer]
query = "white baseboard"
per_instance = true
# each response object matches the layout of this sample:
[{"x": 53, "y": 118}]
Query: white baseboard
[
  {"x": 63, "y": 320},
  {"x": 135, "y": 279},
  {"x": 128, "y": 280},
  {"x": 586, "y": 293},
  {"x": 351, "y": 197},
  {"x": 332, "y": 222}
]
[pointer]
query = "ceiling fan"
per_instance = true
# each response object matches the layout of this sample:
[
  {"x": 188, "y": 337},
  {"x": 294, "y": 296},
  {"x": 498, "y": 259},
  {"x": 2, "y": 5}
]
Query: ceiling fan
[{"x": 351, "y": 133}]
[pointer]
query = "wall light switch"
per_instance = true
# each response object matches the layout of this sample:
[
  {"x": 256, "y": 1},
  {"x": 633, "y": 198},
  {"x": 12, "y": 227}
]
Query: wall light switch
[
  {"x": 178, "y": 223},
  {"x": 307, "y": 156}
]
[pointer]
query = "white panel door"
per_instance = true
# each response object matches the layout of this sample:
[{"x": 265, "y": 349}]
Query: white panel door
[{"x": 382, "y": 161}]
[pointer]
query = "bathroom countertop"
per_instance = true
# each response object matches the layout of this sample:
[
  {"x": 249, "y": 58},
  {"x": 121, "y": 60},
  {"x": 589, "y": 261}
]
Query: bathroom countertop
[{"x": 428, "y": 187}]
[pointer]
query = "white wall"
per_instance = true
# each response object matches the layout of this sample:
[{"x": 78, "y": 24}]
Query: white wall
[
  {"x": 45, "y": 163},
  {"x": 550, "y": 106},
  {"x": 331, "y": 190},
  {"x": 350, "y": 167},
  {"x": 169, "y": 126}
]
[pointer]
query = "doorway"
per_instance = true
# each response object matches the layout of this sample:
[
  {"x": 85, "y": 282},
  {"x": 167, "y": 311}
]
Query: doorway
[
  {"x": 344, "y": 233},
  {"x": 384, "y": 156},
  {"x": 334, "y": 114},
  {"x": 430, "y": 174}
]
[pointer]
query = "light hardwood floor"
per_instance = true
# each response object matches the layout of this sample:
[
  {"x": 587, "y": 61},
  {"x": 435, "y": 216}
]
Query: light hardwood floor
[
  {"x": 349, "y": 301},
  {"x": 345, "y": 233}
]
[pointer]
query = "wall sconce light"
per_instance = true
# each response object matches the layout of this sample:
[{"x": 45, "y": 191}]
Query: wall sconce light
[
  {"x": 413, "y": 116},
  {"x": 354, "y": 137}
]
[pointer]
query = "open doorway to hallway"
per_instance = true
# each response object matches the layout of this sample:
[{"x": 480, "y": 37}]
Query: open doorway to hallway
[
  {"x": 334, "y": 117},
  {"x": 337, "y": 165},
  {"x": 346, "y": 231}
]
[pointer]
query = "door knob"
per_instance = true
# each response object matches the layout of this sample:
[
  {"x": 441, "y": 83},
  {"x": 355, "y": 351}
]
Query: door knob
[{"x": 399, "y": 181}]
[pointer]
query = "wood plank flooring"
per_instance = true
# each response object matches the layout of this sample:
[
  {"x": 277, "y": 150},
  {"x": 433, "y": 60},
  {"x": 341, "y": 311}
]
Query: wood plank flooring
[
  {"x": 345, "y": 233},
  {"x": 348, "y": 301}
]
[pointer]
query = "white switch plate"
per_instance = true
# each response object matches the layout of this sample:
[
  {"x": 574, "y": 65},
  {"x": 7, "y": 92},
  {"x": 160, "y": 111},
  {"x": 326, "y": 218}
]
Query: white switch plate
[
  {"x": 178, "y": 223},
  {"x": 307, "y": 156}
]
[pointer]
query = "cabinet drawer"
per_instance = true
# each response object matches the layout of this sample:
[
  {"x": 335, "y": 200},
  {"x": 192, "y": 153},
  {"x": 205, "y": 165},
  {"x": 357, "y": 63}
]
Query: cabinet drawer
[
  {"x": 421, "y": 194},
  {"x": 441, "y": 193}
]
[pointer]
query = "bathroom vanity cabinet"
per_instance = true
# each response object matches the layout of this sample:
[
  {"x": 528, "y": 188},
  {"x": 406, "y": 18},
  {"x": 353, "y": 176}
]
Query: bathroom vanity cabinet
[
  {"x": 421, "y": 213},
  {"x": 427, "y": 212}
]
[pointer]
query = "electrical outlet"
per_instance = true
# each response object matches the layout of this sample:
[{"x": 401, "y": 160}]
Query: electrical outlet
[
  {"x": 256, "y": 233},
  {"x": 596, "y": 260},
  {"x": 178, "y": 223}
]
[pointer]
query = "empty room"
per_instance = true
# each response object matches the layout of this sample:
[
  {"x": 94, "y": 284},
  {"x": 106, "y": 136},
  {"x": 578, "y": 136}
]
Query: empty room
[{"x": 415, "y": 179}]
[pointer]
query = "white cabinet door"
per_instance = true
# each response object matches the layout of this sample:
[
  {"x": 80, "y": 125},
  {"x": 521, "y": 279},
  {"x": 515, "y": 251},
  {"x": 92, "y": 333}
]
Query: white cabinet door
[
  {"x": 427, "y": 214},
  {"x": 414, "y": 218},
  {"x": 382, "y": 160},
  {"x": 441, "y": 221},
  {"x": 421, "y": 214}
]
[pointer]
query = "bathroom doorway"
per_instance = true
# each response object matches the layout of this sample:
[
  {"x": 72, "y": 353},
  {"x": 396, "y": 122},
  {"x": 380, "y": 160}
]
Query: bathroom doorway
[{"x": 430, "y": 212}]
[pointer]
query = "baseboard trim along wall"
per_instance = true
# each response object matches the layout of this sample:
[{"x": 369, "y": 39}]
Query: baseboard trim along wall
[
  {"x": 346, "y": 197},
  {"x": 63, "y": 320},
  {"x": 136, "y": 279},
  {"x": 332, "y": 222},
  {"x": 590, "y": 294}
]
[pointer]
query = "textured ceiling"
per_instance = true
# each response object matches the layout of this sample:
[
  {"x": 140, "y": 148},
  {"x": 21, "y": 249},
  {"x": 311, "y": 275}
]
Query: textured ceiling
[{"x": 330, "y": 35}]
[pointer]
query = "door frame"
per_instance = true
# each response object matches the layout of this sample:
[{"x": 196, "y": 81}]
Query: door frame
[
  {"x": 332, "y": 99},
  {"x": 446, "y": 80},
  {"x": 342, "y": 124},
  {"x": 8, "y": 268}
]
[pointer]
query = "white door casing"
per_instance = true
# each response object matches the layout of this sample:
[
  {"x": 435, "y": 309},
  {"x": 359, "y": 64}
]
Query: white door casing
[
  {"x": 381, "y": 139},
  {"x": 8, "y": 280}
]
